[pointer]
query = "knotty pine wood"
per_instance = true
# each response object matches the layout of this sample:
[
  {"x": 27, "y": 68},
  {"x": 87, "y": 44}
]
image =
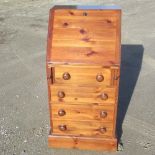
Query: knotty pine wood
[
  {"x": 84, "y": 103},
  {"x": 87, "y": 51},
  {"x": 85, "y": 143},
  {"x": 83, "y": 128},
  {"x": 71, "y": 29},
  {"x": 82, "y": 112},
  {"x": 116, "y": 75},
  {"x": 82, "y": 75},
  {"x": 90, "y": 13},
  {"x": 87, "y": 94},
  {"x": 77, "y": 22},
  {"x": 84, "y": 41},
  {"x": 72, "y": 33},
  {"x": 48, "y": 74}
]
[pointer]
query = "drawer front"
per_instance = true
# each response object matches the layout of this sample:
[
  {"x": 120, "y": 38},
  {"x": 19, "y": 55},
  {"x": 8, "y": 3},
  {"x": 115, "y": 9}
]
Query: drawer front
[
  {"x": 83, "y": 128},
  {"x": 82, "y": 112},
  {"x": 98, "y": 94},
  {"x": 82, "y": 75}
]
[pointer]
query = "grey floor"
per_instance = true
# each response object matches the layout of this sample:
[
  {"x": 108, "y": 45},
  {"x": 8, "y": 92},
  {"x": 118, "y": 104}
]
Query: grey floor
[{"x": 24, "y": 121}]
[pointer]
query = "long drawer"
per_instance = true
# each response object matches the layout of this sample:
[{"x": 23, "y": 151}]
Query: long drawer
[
  {"x": 82, "y": 128},
  {"x": 82, "y": 112},
  {"x": 82, "y": 75},
  {"x": 97, "y": 94}
]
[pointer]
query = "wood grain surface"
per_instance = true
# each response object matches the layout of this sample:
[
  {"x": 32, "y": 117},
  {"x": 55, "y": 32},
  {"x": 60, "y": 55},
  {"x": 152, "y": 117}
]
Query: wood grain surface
[
  {"x": 74, "y": 29},
  {"x": 83, "y": 71},
  {"x": 82, "y": 94},
  {"x": 83, "y": 128},
  {"x": 86, "y": 143},
  {"x": 82, "y": 112},
  {"x": 82, "y": 75}
]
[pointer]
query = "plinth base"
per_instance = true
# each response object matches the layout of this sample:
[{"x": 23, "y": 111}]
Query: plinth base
[{"x": 85, "y": 143}]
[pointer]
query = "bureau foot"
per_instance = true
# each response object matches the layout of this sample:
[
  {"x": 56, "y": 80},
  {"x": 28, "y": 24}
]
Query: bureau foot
[{"x": 85, "y": 143}]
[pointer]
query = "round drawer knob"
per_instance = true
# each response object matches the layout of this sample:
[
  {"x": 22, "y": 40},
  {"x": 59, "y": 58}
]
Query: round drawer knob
[
  {"x": 104, "y": 96},
  {"x": 103, "y": 130},
  {"x": 66, "y": 76},
  {"x": 61, "y": 94},
  {"x": 61, "y": 112},
  {"x": 99, "y": 77},
  {"x": 103, "y": 114},
  {"x": 62, "y": 127}
]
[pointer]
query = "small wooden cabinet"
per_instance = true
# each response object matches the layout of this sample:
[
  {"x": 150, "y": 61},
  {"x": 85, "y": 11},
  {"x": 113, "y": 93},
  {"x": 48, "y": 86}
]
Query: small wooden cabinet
[{"x": 83, "y": 68}]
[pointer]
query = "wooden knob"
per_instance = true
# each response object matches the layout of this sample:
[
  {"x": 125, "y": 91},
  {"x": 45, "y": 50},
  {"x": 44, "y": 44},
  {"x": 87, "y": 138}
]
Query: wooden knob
[
  {"x": 103, "y": 130},
  {"x": 62, "y": 127},
  {"x": 104, "y": 96},
  {"x": 61, "y": 112},
  {"x": 103, "y": 114},
  {"x": 66, "y": 76},
  {"x": 61, "y": 94},
  {"x": 99, "y": 77}
]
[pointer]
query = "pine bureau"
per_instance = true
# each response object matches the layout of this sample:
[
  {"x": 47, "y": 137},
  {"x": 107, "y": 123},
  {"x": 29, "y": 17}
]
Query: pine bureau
[{"x": 83, "y": 68}]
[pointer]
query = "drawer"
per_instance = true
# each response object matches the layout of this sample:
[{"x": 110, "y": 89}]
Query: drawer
[
  {"x": 82, "y": 75},
  {"x": 83, "y": 128},
  {"x": 98, "y": 94},
  {"x": 82, "y": 112}
]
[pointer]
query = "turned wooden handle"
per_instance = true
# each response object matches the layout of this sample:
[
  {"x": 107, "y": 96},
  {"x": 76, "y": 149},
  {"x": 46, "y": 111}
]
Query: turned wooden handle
[
  {"x": 99, "y": 77},
  {"x": 61, "y": 94},
  {"x": 66, "y": 76},
  {"x": 61, "y": 112},
  {"x": 103, "y": 130},
  {"x": 103, "y": 114},
  {"x": 62, "y": 127},
  {"x": 104, "y": 96}
]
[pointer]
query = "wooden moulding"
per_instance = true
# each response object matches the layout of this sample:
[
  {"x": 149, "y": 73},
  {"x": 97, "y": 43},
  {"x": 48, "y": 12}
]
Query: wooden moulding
[{"x": 84, "y": 143}]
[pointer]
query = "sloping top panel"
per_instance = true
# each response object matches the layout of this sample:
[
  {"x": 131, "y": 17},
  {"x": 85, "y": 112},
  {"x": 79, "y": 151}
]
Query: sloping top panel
[{"x": 84, "y": 35}]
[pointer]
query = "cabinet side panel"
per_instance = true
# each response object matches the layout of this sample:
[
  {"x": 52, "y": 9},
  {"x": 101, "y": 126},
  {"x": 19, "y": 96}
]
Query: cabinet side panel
[
  {"x": 49, "y": 69},
  {"x": 118, "y": 39},
  {"x": 49, "y": 72},
  {"x": 115, "y": 82},
  {"x": 49, "y": 35}
]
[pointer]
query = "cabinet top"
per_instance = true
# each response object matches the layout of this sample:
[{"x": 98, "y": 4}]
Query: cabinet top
[{"x": 84, "y": 35}]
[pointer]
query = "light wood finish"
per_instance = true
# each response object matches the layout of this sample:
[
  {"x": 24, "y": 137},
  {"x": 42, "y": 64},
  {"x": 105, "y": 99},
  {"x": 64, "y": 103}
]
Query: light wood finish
[
  {"x": 82, "y": 75},
  {"x": 116, "y": 74},
  {"x": 86, "y": 143},
  {"x": 48, "y": 73},
  {"x": 90, "y": 13},
  {"x": 85, "y": 112},
  {"x": 83, "y": 128},
  {"x": 79, "y": 93},
  {"x": 101, "y": 44},
  {"x": 73, "y": 34},
  {"x": 83, "y": 71},
  {"x": 83, "y": 103}
]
